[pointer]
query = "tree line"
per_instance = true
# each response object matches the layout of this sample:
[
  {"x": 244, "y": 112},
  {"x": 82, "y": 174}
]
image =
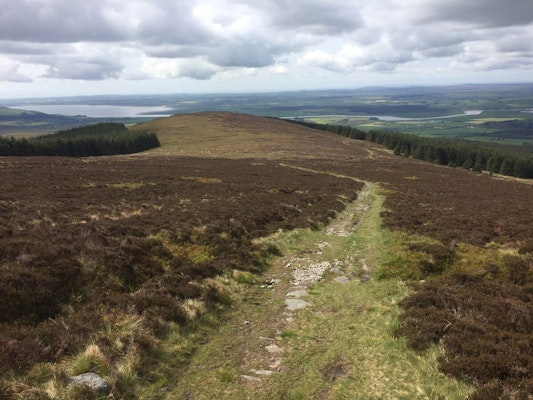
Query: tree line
[
  {"x": 107, "y": 138},
  {"x": 476, "y": 156}
]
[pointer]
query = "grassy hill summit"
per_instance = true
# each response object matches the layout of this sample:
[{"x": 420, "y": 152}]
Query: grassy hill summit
[
  {"x": 231, "y": 135},
  {"x": 250, "y": 257}
]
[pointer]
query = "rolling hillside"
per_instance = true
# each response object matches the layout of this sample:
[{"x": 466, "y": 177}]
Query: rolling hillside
[
  {"x": 168, "y": 272},
  {"x": 230, "y": 135}
]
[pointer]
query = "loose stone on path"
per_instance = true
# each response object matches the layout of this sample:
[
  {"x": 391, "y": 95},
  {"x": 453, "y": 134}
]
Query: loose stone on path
[
  {"x": 296, "y": 304},
  {"x": 297, "y": 293},
  {"x": 342, "y": 279},
  {"x": 262, "y": 372},
  {"x": 273, "y": 349},
  {"x": 251, "y": 378}
]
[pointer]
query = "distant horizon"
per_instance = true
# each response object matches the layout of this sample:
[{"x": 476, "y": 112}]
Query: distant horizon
[{"x": 259, "y": 92}]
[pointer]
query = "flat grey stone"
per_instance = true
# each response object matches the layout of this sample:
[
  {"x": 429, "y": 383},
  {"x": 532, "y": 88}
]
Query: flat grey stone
[
  {"x": 251, "y": 378},
  {"x": 297, "y": 293},
  {"x": 273, "y": 349},
  {"x": 296, "y": 304},
  {"x": 337, "y": 271},
  {"x": 90, "y": 379},
  {"x": 341, "y": 279},
  {"x": 262, "y": 372}
]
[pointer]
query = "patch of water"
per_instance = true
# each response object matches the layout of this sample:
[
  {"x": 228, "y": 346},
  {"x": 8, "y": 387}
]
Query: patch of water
[{"x": 98, "y": 111}]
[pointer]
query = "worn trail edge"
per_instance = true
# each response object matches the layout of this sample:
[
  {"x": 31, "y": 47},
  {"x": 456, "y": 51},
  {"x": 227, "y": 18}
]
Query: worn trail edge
[{"x": 317, "y": 325}]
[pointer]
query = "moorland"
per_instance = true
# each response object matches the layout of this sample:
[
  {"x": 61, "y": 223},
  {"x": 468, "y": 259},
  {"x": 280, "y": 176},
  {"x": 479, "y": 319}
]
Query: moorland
[{"x": 149, "y": 269}]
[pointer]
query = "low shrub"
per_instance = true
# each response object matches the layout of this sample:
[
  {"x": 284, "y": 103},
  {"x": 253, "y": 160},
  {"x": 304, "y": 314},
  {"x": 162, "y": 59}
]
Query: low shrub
[{"x": 484, "y": 325}]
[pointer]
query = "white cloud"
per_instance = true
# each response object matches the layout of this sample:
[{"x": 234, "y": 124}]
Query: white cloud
[
  {"x": 195, "y": 68},
  {"x": 379, "y": 56},
  {"x": 118, "y": 40},
  {"x": 279, "y": 70},
  {"x": 9, "y": 72}
]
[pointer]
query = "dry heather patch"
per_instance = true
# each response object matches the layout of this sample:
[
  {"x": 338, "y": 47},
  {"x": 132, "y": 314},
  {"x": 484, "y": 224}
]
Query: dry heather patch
[{"x": 118, "y": 283}]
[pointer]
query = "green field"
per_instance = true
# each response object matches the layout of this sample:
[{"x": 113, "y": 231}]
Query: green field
[{"x": 467, "y": 127}]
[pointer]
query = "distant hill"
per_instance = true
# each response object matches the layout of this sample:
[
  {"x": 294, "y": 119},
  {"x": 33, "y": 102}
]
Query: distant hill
[
  {"x": 11, "y": 112},
  {"x": 16, "y": 121},
  {"x": 230, "y": 135}
]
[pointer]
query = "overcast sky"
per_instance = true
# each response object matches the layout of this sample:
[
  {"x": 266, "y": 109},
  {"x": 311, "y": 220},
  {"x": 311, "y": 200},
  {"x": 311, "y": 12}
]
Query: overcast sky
[{"x": 83, "y": 47}]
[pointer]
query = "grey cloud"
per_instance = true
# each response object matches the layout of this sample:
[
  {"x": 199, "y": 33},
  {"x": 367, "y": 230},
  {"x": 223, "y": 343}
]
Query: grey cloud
[
  {"x": 196, "y": 71},
  {"x": 254, "y": 33},
  {"x": 168, "y": 29},
  {"x": 27, "y": 49},
  {"x": 482, "y": 13},
  {"x": 430, "y": 42},
  {"x": 69, "y": 21},
  {"x": 435, "y": 37},
  {"x": 504, "y": 64},
  {"x": 56, "y": 21},
  {"x": 168, "y": 22},
  {"x": 444, "y": 51},
  {"x": 384, "y": 67},
  {"x": 515, "y": 43},
  {"x": 315, "y": 16},
  {"x": 227, "y": 54},
  {"x": 254, "y": 55},
  {"x": 9, "y": 72},
  {"x": 470, "y": 32},
  {"x": 173, "y": 51},
  {"x": 73, "y": 68}
]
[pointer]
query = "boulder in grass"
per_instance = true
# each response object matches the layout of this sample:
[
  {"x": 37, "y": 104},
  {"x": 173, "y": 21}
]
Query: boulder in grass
[{"x": 92, "y": 380}]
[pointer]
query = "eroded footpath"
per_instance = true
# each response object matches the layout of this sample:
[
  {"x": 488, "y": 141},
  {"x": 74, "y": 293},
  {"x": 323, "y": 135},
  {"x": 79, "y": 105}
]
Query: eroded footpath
[{"x": 317, "y": 325}]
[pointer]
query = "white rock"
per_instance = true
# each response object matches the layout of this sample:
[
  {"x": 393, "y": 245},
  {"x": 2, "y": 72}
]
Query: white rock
[
  {"x": 251, "y": 378},
  {"x": 262, "y": 372},
  {"x": 273, "y": 349},
  {"x": 90, "y": 379},
  {"x": 297, "y": 293},
  {"x": 296, "y": 304}
]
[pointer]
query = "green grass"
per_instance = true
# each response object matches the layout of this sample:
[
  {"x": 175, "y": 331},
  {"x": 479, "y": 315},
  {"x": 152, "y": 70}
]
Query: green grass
[
  {"x": 8, "y": 112},
  {"x": 354, "y": 332},
  {"x": 488, "y": 139},
  {"x": 467, "y": 127}
]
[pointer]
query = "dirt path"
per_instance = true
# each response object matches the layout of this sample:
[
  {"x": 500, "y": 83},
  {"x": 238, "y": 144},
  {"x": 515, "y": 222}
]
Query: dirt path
[
  {"x": 351, "y": 217},
  {"x": 252, "y": 341},
  {"x": 317, "y": 325},
  {"x": 302, "y": 271}
]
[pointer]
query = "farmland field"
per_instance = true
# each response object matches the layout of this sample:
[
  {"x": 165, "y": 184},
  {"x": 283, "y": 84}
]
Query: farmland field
[{"x": 130, "y": 265}]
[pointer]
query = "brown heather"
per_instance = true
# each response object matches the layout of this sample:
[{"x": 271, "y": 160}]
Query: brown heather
[{"x": 85, "y": 243}]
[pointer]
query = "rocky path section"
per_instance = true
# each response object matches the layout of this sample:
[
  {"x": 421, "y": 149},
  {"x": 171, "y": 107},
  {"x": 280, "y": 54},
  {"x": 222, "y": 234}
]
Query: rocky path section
[
  {"x": 302, "y": 271},
  {"x": 351, "y": 217}
]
